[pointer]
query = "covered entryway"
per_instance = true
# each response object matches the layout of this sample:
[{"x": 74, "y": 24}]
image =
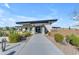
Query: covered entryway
[
  {"x": 39, "y": 26},
  {"x": 38, "y": 29}
]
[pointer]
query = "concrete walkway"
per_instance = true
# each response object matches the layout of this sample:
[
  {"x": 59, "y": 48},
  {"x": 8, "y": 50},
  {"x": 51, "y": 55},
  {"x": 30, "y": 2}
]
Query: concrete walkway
[{"x": 39, "y": 45}]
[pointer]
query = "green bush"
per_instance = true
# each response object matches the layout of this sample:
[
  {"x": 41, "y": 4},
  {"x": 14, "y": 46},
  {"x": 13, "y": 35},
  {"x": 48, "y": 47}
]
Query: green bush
[
  {"x": 2, "y": 33},
  {"x": 14, "y": 37},
  {"x": 26, "y": 34},
  {"x": 58, "y": 37},
  {"x": 73, "y": 39},
  {"x": 69, "y": 38}
]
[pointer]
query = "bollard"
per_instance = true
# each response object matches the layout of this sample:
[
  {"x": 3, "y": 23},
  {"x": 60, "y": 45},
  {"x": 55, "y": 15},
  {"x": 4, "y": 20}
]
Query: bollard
[{"x": 3, "y": 44}]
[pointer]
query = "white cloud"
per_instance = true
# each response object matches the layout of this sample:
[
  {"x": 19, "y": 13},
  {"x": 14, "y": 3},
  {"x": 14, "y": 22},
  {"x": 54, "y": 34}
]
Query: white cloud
[
  {"x": 51, "y": 15},
  {"x": 9, "y": 19},
  {"x": 7, "y": 5},
  {"x": 23, "y": 18},
  {"x": 5, "y": 19}
]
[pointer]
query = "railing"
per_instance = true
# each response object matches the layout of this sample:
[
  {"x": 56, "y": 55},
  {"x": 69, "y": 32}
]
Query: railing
[{"x": 3, "y": 44}]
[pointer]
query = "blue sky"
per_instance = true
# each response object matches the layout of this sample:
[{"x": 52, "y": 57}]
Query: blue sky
[{"x": 12, "y": 13}]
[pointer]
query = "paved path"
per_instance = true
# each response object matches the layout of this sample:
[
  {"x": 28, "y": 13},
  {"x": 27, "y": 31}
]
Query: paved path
[{"x": 39, "y": 45}]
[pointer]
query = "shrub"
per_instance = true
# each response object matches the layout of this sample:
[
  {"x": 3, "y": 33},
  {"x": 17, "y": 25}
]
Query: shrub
[
  {"x": 49, "y": 33},
  {"x": 14, "y": 37},
  {"x": 73, "y": 40},
  {"x": 2, "y": 33},
  {"x": 26, "y": 34},
  {"x": 58, "y": 37},
  {"x": 69, "y": 38}
]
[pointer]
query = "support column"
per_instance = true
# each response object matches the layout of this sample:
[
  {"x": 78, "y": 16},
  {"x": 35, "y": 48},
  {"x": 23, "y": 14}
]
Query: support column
[
  {"x": 28, "y": 29},
  {"x": 23, "y": 29},
  {"x": 33, "y": 30},
  {"x": 18, "y": 29},
  {"x": 43, "y": 30}
]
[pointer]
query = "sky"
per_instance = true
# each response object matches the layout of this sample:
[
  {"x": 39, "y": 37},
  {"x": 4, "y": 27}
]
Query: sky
[{"x": 10, "y": 13}]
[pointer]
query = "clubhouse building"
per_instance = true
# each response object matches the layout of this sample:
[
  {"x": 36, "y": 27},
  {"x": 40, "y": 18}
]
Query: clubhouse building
[{"x": 41, "y": 26}]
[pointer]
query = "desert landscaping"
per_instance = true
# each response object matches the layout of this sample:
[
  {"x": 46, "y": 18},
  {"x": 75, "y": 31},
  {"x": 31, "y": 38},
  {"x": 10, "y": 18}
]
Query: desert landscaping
[
  {"x": 39, "y": 29},
  {"x": 68, "y": 40}
]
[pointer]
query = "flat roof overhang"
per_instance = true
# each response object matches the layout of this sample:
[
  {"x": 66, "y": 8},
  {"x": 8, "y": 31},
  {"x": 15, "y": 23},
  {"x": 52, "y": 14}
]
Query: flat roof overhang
[{"x": 39, "y": 21}]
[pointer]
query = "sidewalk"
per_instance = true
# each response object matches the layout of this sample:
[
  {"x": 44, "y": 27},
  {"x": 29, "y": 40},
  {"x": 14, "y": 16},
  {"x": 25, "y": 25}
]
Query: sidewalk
[{"x": 39, "y": 45}]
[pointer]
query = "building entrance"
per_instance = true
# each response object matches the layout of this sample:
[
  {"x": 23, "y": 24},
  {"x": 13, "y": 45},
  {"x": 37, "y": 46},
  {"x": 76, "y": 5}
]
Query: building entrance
[{"x": 38, "y": 29}]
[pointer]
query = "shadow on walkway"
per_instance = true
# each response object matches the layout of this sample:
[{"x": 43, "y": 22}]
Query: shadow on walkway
[
  {"x": 11, "y": 53},
  {"x": 12, "y": 47}
]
